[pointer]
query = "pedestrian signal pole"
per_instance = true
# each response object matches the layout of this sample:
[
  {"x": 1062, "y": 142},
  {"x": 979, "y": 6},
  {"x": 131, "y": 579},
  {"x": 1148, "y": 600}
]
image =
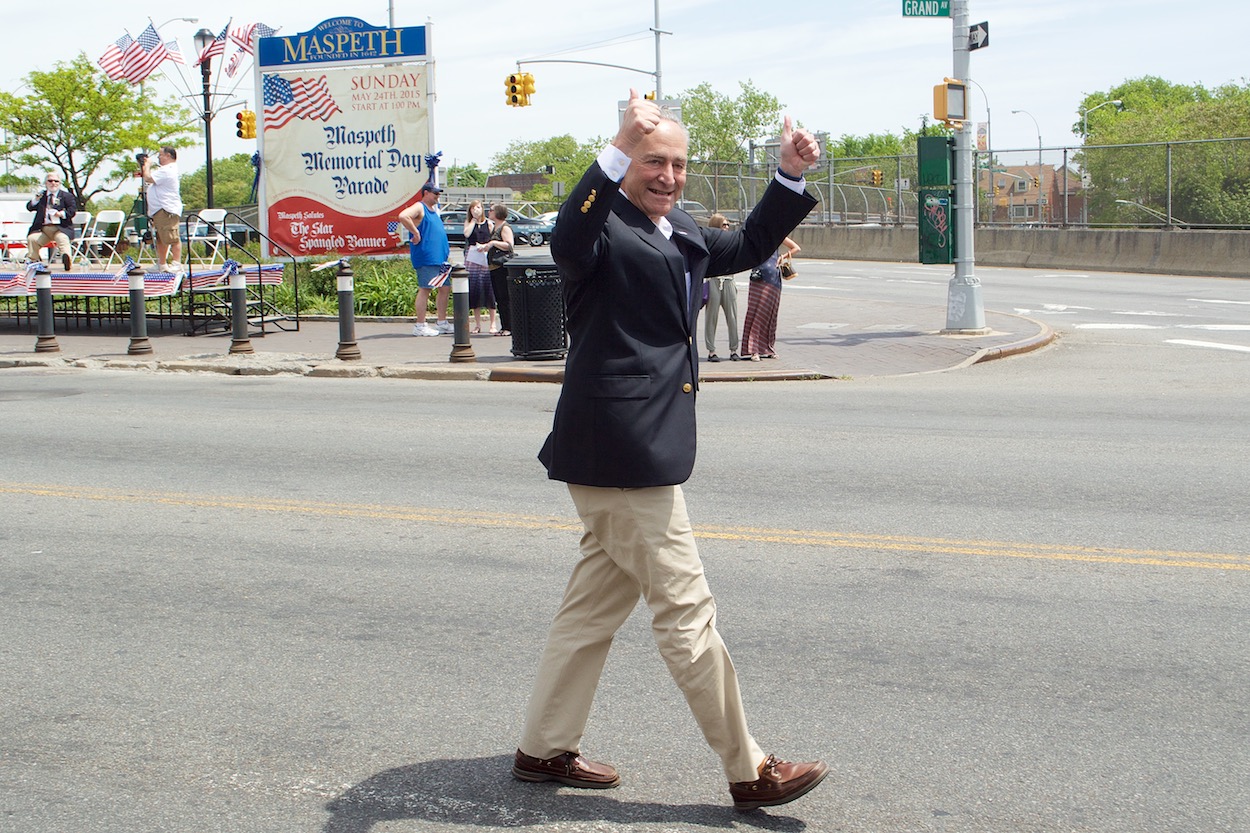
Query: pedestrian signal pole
[{"x": 965, "y": 310}]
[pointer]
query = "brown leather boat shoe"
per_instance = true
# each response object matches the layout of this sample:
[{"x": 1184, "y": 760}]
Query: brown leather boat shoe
[
  {"x": 569, "y": 768},
  {"x": 780, "y": 782}
]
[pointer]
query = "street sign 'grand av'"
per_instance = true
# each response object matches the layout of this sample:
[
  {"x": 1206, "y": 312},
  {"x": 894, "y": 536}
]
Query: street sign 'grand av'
[{"x": 926, "y": 8}]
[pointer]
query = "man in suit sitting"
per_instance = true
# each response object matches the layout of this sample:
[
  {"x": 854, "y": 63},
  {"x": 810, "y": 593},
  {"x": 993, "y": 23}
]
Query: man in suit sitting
[
  {"x": 54, "y": 210},
  {"x": 623, "y": 439}
]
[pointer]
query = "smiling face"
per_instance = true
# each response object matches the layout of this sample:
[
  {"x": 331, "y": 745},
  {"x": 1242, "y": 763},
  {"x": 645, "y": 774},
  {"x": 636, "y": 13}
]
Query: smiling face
[{"x": 657, "y": 173}]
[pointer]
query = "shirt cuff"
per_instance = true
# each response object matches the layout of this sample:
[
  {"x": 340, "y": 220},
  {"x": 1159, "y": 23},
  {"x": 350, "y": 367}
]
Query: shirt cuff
[
  {"x": 798, "y": 186},
  {"x": 614, "y": 162}
]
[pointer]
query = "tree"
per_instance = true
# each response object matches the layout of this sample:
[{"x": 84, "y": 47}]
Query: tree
[
  {"x": 1210, "y": 184},
  {"x": 561, "y": 158},
  {"x": 465, "y": 176},
  {"x": 720, "y": 126},
  {"x": 232, "y": 182},
  {"x": 521, "y": 157},
  {"x": 78, "y": 121}
]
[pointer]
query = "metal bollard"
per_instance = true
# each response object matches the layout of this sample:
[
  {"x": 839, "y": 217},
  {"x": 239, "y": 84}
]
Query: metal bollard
[
  {"x": 139, "y": 343},
  {"x": 461, "y": 350},
  {"x": 239, "y": 342},
  {"x": 348, "y": 349},
  {"x": 45, "y": 342}
]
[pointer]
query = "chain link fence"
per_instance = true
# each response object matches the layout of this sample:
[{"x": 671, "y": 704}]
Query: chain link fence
[{"x": 1184, "y": 184}]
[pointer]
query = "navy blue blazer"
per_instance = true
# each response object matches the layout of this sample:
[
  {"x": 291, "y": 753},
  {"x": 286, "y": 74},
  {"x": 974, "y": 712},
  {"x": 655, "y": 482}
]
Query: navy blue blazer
[
  {"x": 626, "y": 415},
  {"x": 60, "y": 199}
]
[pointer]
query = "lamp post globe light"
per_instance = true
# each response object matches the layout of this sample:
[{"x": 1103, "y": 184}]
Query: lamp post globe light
[
  {"x": 202, "y": 40},
  {"x": 1039, "y": 161}
]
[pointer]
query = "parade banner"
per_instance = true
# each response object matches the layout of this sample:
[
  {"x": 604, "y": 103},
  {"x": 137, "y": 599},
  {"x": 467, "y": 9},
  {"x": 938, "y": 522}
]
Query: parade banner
[{"x": 343, "y": 147}]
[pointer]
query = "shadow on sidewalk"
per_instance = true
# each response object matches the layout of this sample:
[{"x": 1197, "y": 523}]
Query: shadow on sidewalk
[{"x": 480, "y": 792}]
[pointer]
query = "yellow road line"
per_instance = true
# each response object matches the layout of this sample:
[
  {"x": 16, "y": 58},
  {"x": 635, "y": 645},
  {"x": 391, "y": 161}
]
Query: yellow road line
[{"x": 802, "y": 537}]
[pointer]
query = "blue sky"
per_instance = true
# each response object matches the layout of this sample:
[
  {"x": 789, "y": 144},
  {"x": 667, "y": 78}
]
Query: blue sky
[{"x": 842, "y": 67}]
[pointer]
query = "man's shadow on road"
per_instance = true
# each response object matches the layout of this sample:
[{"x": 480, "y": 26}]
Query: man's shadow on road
[{"x": 481, "y": 792}]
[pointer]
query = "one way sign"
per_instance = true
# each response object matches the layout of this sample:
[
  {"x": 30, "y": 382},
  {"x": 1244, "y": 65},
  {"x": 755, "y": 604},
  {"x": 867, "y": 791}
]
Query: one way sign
[{"x": 978, "y": 36}]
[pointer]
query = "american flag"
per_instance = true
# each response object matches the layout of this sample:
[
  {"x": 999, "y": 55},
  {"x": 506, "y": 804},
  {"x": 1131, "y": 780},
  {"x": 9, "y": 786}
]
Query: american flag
[
  {"x": 299, "y": 98},
  {"x": 102, "y": 285},
  {"x": 143, "y": 55},
  {"x": 175, "y": 52},
  {"x": 235, "y": 61},
  {"x": 246, "y": 38},
  {"x": 112, "y": 59},
  {"x": 217, "y": 47},
  {"x": 9, "y": 284}
]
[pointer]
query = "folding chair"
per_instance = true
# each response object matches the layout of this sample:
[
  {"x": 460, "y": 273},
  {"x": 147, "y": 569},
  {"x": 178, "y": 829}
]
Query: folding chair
[
  {"x": 82, "y": 227},
  {"x": 209, "y": 232},
  {"x": 104, "y": 237}
]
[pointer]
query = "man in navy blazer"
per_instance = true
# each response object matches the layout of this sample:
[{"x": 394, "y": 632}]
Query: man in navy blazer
[
  {"x": 623, "y": 440},
  {"x": 54, "y": 209}
]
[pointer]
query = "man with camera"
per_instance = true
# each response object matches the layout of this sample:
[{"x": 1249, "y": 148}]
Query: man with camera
[
  {"x": 164, "y": 206},
  {"x": 54, "y": 210}
]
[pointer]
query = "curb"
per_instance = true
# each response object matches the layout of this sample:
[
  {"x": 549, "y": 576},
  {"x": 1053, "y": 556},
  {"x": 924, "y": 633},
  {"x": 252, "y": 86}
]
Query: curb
[{"x": 1044, "y": 336}]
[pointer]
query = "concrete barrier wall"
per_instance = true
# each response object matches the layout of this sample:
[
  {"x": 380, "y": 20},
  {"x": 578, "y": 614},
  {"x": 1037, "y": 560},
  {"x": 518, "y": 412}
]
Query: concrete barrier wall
[{"x": 1211, "y": 253}]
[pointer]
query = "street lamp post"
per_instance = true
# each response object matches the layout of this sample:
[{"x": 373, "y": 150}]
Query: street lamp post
[
  {"x": 1119, "y": 105},
  {"x": 1085, "y": 111},
  {"x": 184, "y": 19},
  {"x": 989, "y": 151},
  {"x": 1039, "y": 161},
  {"x": 202, "y": 39}
]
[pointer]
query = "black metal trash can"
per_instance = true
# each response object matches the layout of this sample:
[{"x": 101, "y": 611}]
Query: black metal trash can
[{"x": 537, "y": 299}]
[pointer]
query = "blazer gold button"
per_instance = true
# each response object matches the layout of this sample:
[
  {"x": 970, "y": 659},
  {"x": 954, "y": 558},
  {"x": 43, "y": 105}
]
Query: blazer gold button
[{"x": 686, "y": 388}]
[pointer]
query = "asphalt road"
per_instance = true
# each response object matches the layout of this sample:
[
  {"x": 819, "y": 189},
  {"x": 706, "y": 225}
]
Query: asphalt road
[{"x": 1005, "y": 598}]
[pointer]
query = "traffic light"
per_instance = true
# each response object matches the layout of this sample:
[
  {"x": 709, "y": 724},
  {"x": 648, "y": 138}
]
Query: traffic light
[
  {"x": 519, "y": 86},
  {"x": 245, "y": 124},
  {"x": 1037, "y": 182},
  {"x": 996, "y": 190},
  {"x": 650, "y": 96},
  {"x": 877, "y": 177}
]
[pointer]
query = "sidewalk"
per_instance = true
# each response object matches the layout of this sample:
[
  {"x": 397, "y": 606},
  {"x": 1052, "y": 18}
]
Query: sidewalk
[{"x": 818, "y": 338}]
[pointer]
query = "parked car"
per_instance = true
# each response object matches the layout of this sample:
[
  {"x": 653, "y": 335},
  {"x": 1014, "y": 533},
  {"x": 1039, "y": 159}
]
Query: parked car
[
  {"x": 530, "y": 230},
  {"x": 697, "y": 210}
]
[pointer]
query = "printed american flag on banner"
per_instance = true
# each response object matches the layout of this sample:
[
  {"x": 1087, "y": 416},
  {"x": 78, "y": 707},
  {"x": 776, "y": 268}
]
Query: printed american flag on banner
[
  {"x": 299, "y": 98},
  {"x": 143, "y": 56},
  {"x": 217, "y": 47},
  {"x": 112, "y": 59}
]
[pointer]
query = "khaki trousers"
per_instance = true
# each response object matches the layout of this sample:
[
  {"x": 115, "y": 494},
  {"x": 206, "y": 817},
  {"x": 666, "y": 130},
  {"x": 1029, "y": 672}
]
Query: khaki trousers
[
  {"x": 48, "y": 234},
  {"x": 637, "y": 542}
]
